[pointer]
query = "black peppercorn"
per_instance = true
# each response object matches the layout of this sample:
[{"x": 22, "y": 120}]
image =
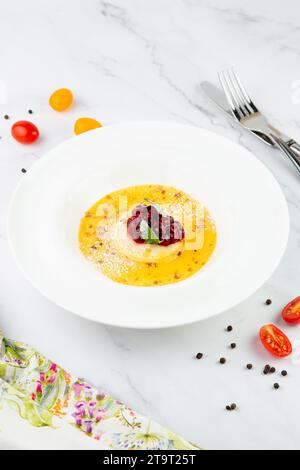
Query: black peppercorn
[
  {"x": 229, "y": 328},
  {"x": 276, "y": 386},
  {"x": 222, "y": 360},
  {"x": 284, "y": 373},
  {"x": 199, "y": 356},
  {"x": 268, "y": 302},
  {"x": 249, "y": 366}
]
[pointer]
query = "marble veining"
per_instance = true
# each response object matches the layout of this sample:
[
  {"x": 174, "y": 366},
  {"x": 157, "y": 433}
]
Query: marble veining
[{"x": 135, "y": 61}]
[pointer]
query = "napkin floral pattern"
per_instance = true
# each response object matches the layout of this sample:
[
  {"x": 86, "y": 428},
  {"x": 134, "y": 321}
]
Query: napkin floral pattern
[{"x": 43, "y": 394}]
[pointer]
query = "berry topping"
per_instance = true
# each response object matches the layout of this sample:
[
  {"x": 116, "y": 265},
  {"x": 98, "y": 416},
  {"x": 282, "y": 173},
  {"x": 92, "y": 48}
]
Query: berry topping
[{"x": 148, "y": 225}]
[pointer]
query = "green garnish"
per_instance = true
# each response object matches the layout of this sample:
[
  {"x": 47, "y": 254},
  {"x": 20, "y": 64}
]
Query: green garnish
[{"x": 147, "y": 234}]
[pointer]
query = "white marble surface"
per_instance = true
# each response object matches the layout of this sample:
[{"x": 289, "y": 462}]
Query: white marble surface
[{"x": 139, "y": 60}]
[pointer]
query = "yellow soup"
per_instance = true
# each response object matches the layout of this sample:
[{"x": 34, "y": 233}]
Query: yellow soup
[{"x": 104, "y": 238}]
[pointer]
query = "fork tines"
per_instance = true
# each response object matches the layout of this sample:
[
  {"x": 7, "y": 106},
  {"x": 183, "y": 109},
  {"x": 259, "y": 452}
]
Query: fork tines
[{"x": 236, "y": 94}]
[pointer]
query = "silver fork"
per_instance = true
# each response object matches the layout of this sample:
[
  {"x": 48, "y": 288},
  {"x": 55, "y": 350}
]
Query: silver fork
[{"x": 245, "y": 111}]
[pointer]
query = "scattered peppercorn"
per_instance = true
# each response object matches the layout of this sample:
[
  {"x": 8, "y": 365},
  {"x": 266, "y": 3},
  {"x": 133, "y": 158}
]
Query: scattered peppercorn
[
  {"x": 231, "y": 407},
  {"x": 276, "y": 386},
  {"x": 233, "y": 345},
  {"x": 229, "y": 328},
  {"x": 284, "y": 373},
  {"x": 249, "y": 366},
  {"x": 199, "y": 356},
  {"x": 6, "y": 116},
  {"x": 30, "y": 111},
  {"x": 222, "y": 360},
  {"x": 272, "y": 370},
  {"x": 268, "y": 302},
  {"x": 23, "y": 170},
  {"x": 267, "y": 369}
]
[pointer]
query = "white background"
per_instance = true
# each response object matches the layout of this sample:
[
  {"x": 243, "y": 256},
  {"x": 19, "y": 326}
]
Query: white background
[{"x": 137, "y": 60}]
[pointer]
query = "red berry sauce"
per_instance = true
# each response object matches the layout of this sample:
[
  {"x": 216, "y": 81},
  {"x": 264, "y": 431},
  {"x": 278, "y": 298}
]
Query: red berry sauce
[{"x": 165, "y": 227}]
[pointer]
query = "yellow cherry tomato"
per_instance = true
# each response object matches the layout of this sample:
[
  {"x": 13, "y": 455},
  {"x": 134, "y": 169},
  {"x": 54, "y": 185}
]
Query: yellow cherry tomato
[
  {"x": 85, "y": 124},
  {"x": 61, "y": 99}
]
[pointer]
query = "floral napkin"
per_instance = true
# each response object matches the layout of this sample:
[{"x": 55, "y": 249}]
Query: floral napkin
[{"x": 46, "y": 395}]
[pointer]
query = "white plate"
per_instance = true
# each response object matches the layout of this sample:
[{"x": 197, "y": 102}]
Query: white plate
[{"x": 242, "y": 195}]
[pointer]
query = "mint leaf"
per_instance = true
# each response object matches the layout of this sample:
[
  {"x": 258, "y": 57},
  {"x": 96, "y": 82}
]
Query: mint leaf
[{"x": 147, "y": 234}]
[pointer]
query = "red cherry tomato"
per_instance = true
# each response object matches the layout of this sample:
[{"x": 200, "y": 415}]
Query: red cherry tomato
[
  {"x": 291, "y": 313},
  {"x": 275, "y": 341},
  {"x": 25, "y": 132}
]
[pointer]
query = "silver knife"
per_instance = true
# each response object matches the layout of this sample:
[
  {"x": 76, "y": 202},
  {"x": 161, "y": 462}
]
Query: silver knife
[{"x": 217, "y": 96}]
